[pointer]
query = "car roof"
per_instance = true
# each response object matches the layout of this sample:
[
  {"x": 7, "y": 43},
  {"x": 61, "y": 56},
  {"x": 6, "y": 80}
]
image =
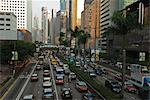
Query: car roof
[
  {"x": 48, "y": 89},
  {"x": 81, "y": 83},
  {"x": 28, "y": 97},
  {"x": 34, "y": 74},
  {"x": 46, "y": 70}
]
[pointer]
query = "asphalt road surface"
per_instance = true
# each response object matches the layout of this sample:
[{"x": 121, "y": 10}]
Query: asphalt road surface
[{"x": 18, "y": 84}]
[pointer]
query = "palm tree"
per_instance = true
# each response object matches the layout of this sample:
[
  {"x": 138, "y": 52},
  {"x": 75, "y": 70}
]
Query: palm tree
[
  {"x": 122, "y": 25},
  {"x": 83, "y": 37},
  {"x": 62, "y": 38},
  {"x": 75, "y": 34}
]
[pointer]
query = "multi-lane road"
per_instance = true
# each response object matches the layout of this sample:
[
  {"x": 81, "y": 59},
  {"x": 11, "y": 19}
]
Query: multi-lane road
[{"x": 23, "y": 86}]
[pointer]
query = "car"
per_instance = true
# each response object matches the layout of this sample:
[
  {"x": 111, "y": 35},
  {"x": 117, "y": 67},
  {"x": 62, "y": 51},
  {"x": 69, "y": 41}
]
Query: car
[
  {"x": 61, "y": 64},
  {"x": 48, "y": 94},
  {"x": 119, "y": 77},
  {"x": 67, "y": 71},
  {"x": 53, "y": 61},
  {"x": 46, "y": 79},
  {"x": 46, "y": 67},
  {"x": 47, "y": 84},
  {"x": 72, "y": 75},
  {"x": 81, "y": 86},
  {"x": 59, "y": 80},
  {"x": 130, "y": 87},
  {"x": 38, "y": 67},
  {"x": 88, "y": 96},
  {"x": 92, "y": 73},
  {"x": 46, "y": 73},
  {"x": 34, "y": 77},
  {"x": 99, "y": 71},
  {"x": 66, "y": 66},
  {"x": 28, "y": 97},
  {"x": 78, "y": 65},
  {"x": 119, "y": 65},
  {"x": 113, "y": 85},
  {"x": 66, "y": 92}
]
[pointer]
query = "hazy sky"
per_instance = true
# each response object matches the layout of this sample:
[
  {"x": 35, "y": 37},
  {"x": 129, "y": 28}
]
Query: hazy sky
[{"x": 52, "y": 4}]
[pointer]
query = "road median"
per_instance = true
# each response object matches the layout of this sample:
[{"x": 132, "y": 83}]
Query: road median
[{"x": 103, "y": 92}]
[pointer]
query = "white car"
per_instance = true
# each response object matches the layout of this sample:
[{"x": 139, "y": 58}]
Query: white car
[
  {"x": 46, "y": 79},
  {"x": 47, "y": 84},
  {"x": 78, "y": 64},
  {"x": 72, "y": 75},
  {"x": 66, "y": 66},
  {"x": 28, "y": 97}
]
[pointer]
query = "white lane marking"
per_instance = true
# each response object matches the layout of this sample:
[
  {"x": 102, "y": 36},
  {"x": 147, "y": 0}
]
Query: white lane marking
[
  {"x": 53, "y": 79},
  {"x": 24, "y": 86}
]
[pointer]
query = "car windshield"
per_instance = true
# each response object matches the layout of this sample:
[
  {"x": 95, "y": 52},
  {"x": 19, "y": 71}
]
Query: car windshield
[
  {"x": 67, "y": 92},
  {"x": 59, "y": 77},
  {"x": 34, "y": 75},
  {"x": 82, "y": 84}
]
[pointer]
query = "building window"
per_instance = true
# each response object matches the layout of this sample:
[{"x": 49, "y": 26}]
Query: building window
[
  {"x": 1, "y": 29},
  {"x": 2, "y": 19},
  {"x": 7, "y": 19},
  {"x": 7, "y": 24},
  {"x": 7, "y": 29},
  {"x": 1, "y": 24}
]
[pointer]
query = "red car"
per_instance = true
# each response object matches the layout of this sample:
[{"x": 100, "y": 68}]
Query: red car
[
  {"x": 81, "y": 86},
  {"x": 34, "y": 77},
  {"x": 130, "y": 88},
  {"x": 59, "y": 80}
]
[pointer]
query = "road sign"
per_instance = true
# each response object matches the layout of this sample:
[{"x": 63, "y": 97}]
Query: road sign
[
  {"x": 15, "y": 55},
  {"x": 142, "y": 56}
]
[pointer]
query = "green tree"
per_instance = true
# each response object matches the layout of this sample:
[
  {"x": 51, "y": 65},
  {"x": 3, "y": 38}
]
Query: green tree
[
  {"x": 74, "y": 35},
  {"x": 23, "y": 48},
  {"x": 122, "y": 25},
  {"x": 62, "y": 39},
  {"x": 83, "y": 38}
]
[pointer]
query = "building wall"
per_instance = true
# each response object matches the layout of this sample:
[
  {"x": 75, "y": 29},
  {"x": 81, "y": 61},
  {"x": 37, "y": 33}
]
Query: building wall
[
  {"x": 24, "y": 34},
  {"x": 8, "y": 26},
  {"x": 22, "y": 9},
  {"x": 74, "y": 14},
  {"x": 107, "y": 9},
  {"x": 82, "y": 20}
]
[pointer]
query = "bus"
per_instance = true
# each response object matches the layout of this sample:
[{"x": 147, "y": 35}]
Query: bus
[
  {"x": 59, "y": 71},
  {"x": 140, "y": 77}
]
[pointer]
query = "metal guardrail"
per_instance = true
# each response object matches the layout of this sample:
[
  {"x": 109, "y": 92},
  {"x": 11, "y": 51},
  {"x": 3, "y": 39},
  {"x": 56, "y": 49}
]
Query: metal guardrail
[{"x": 99, "y": 94}]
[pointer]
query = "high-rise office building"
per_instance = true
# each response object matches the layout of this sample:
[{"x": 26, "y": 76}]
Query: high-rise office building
[
  {"x": 8, "y": 26},
  {"x": 62, "y": 5},
  {"x": 107, "y": 9},
  {"x": 44, "y": 25},
  {"x": 71, "y": 12},
  {"x": 22, "y": 9}
]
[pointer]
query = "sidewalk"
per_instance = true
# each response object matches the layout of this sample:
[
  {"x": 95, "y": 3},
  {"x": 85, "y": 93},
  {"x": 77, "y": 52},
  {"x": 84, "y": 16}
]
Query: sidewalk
[{"x": 6, "y": 70}]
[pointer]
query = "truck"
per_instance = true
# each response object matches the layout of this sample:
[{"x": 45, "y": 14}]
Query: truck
[{"x": 140, "y": 77}]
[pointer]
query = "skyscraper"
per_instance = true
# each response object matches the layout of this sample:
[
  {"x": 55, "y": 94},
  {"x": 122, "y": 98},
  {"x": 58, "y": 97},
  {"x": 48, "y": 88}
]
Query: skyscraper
[
  {"x": 44, "y": 25},
  {"x": 62, "y": 5},
  {"x": 22, "y": 9}
]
